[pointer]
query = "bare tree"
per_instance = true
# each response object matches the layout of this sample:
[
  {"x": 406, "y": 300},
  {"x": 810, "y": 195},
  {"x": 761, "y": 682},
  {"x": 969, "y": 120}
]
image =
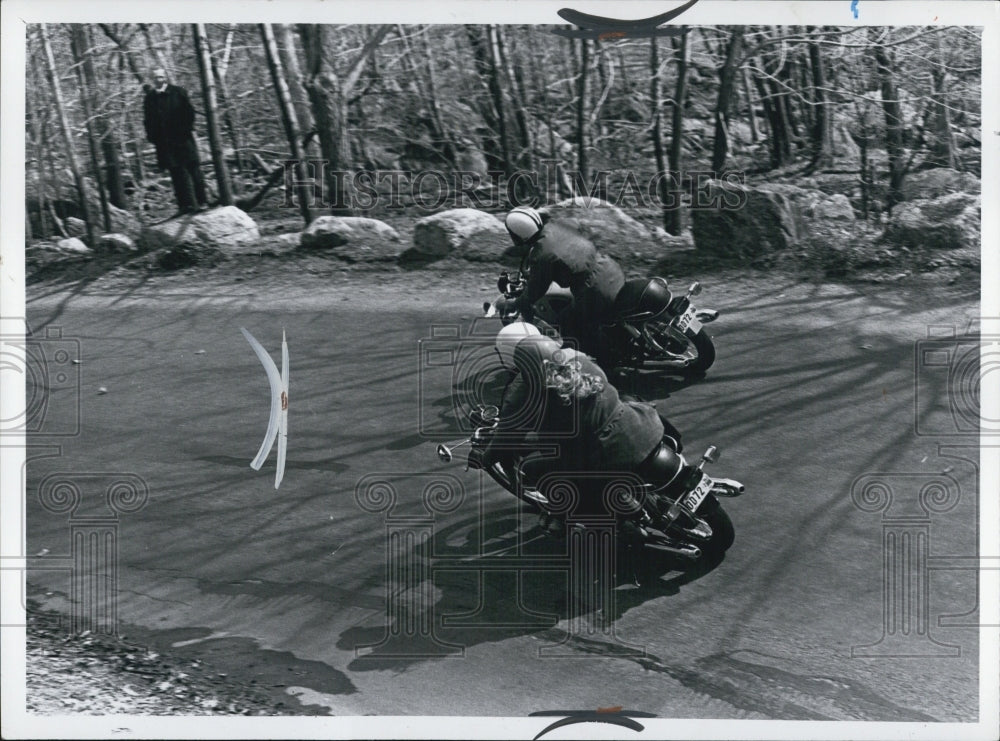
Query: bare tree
[
  {"x": 486, "y": 63},
  {"x": 656, "y": 130},
  {"x": 211, "y": 121},
  {"x": 822, "y": 144},
  {"x": 67, "y": 135},
  {"x": 893, "y": 119},
  {"x": 288, "y": 119},
  {"x": 293, "y": 75},
  {"x": 78, "y": 45},
  {"x": 329, "y": 95},
  {"x": 674, "y": 223},
  {"x": 727, "y": 78}
]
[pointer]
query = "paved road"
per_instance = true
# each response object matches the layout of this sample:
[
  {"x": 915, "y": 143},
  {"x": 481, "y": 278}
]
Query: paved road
[{"x": 816, "y": 395}]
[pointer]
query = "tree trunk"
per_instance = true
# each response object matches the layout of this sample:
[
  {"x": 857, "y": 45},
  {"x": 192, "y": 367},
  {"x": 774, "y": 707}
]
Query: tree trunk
[
  {"x": 561, "y": 184},
  {"x": 329, "y": 109},
  {"x": 37, "y": 140},
  {"x": 751, "y": 108},
  {"x": 78, "y": 47},
  {"x": 674, "y": 224},
  {"x": 942, "y": 147},
  {"x": 447, "y": 137},
  {"x": 822, "y": 143},
  {"x": 524, "y": 158},
  {"x": 124, "y": 50},
  {"x": 211, "y": 121},
  {"x": 892, "y": 111},
  {"x": 433, "y": 121},
  {"x": 288, "y": 119},
  {"x": 656, "y": 130},
  {"x": 727, "y": 77},
  {"x": 158, "y": 58},
  {"x": 581, "y": 110},
  {"x": 498, "y": 149},
  {"x": 778, "y": 138},
  {"x": 293, "y": 75},
  {"x": 329, "y": 96},
  {"x": 67, "y": 135},
  {"x": 110, "y": 147},
  {"x": 496, "y": 91},
  {"x": 230, "y": 116}
]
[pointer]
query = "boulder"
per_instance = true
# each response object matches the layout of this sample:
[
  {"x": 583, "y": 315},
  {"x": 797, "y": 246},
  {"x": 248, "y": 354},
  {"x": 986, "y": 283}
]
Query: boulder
[
  {"x": 352, "y": 238},
  {"x": 818, "y": 205},
  {"x": 464, "y": 232},
  {"x": 122, "y": 221},
  {"x": 812, "y": 203},
  {"x": 115, "y": 244},
  {"x": 737, "y": 222},
  {"x": 945, "y": 223},
  {"x": 75, "y": 227},
  {"x": 937, "y": 182},
  {"x": 225, "y": 230},
  {"x": 289, "y": 241},
  {"x": 741, "y": 222},
  {"x": 74, "y": 246},
  {"x": 612, "y": 230}
]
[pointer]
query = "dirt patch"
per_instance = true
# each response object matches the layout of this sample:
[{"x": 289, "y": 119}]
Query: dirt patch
[{"x": 94, "y": 674}]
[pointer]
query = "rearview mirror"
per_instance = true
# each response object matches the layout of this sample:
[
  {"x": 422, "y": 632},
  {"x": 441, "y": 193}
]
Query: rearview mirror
[
  {"x": 444, "y": 454},
  {"x": 711, "y": 455},
  {"x": 489, "y": 413},
  {"x": 695, "y": 288}
]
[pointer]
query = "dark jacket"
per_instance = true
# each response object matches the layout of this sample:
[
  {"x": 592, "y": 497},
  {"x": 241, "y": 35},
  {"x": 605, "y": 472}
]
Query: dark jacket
[
  {"x": 564, "y": 256},
  {"x": 599, "y": 433},
  {"x": 169, "y": 121}
]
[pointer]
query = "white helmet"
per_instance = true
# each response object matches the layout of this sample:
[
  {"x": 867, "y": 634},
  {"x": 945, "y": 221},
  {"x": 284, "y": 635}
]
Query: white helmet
[
  {"x": 509, "y": 336},
  {"x": 524, "y": 225}
]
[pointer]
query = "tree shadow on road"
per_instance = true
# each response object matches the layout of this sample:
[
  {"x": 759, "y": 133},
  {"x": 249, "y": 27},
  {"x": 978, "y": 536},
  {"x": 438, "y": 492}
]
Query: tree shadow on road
[{"x": 484, "y": 580}]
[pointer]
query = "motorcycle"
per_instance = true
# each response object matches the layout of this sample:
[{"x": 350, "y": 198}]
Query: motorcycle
[
  {"x": 646, "y": 329},
  {"x": 681, "y": 517}
]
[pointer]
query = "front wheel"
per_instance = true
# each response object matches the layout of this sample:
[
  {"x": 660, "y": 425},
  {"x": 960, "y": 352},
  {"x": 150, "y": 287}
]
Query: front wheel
[{"x": 666, "y": 344}]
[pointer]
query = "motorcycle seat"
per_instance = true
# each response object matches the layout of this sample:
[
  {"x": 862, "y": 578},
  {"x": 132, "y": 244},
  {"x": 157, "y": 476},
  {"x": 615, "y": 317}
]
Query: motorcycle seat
[{"x": 641, "y": 299}]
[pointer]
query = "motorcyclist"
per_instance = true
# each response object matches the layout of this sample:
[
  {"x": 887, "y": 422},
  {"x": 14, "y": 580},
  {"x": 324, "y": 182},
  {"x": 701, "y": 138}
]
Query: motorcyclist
[
  {"x": 560, "y": 406},
  {"x": 557, "y": 253}
]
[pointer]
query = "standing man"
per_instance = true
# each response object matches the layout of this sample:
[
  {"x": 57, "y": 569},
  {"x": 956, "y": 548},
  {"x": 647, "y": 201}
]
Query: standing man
[{"x": 169, "y": 120}]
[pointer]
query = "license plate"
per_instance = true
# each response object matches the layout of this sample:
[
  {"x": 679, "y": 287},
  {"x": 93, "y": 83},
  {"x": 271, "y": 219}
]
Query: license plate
[
  {"x": 693, "y": 499},
  {"x": 688, "y": 321}
]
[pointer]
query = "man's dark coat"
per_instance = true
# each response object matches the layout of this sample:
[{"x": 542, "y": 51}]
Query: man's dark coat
[{"x": 169, "y": 120}]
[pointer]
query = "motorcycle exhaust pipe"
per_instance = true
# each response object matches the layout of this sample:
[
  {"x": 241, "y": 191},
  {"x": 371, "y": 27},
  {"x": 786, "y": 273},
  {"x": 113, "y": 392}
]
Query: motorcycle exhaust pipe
[
  {"x": 685, "y": 551},
  {"x": 727, "y": 488},
  {"x": 706, "y": 315}
]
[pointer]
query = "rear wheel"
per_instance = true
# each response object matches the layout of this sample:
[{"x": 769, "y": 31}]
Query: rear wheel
[
  {"x": 706, "y": 352},
  {"x": 723, "y": 533}
]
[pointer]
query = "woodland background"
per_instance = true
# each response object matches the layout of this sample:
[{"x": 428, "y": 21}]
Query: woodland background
[{"x": 863, "y": 114}]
